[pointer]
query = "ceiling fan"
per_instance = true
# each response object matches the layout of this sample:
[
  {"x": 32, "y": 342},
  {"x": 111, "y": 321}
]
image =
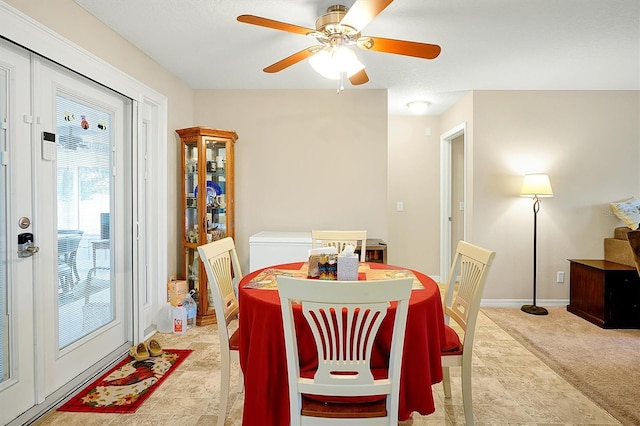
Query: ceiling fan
[{"x": 336, "y": 31}]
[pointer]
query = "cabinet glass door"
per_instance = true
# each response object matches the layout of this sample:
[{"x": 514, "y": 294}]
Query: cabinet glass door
[
  {"x": 191, "y": 192},
  {"x": 192, "y": 221},
  {"x": 216, "y": 190}
]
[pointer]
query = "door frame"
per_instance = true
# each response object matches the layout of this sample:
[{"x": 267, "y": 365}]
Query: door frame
[
  {"x": 149, "y": 257},
  {"x": 446, "y": 140}
]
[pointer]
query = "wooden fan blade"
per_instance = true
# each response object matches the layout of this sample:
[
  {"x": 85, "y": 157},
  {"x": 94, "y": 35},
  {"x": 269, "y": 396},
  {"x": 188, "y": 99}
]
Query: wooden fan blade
[
  {"x": 289, "y": 60},
  {"x": 276, "y": 25},
  {"x": 363, "y": 11},
  {"x": 360, "y": 77},
  {"x": 407, "y": 48}
]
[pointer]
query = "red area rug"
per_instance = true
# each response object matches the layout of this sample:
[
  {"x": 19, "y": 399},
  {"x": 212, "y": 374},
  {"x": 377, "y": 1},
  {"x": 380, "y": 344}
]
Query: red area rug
[{"x": 127, "y": 385}]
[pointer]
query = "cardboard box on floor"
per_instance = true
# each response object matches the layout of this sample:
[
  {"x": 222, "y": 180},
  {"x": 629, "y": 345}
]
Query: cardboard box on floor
[{"x": 176, "y": 291}]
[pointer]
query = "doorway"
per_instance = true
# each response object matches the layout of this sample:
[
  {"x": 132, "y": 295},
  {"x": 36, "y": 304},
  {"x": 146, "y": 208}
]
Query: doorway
[
  {"x": 453, "y": 194},
  {"x": 65, "y": 308}
]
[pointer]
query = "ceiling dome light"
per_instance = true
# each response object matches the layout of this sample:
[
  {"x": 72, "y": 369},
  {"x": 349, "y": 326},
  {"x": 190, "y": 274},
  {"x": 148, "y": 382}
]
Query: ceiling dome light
[
  {"x": 418, "y": 107},
  {"x": 331, "y": 63}
]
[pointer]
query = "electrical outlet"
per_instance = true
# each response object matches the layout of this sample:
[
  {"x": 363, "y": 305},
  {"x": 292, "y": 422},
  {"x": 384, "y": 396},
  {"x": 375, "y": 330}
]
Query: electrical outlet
[{"x": 560, "y": 277}]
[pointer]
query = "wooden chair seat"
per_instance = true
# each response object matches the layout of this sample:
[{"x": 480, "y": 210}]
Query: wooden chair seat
[
  {"x": 312, "y": 407},
  {"x": 234, "y": 341}
]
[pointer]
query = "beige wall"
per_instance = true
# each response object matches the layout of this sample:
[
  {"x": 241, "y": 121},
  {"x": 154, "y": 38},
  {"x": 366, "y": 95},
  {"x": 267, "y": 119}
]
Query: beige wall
[
  {"x": 588, "y": 142},
  {"x": 304, "y": 158},
  {"x": 414, "y": 179}
]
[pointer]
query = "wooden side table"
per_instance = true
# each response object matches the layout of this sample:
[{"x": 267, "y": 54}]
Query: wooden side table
[
  {"x": 376, "y": 250},
  {"x": 605, "y": 293}
]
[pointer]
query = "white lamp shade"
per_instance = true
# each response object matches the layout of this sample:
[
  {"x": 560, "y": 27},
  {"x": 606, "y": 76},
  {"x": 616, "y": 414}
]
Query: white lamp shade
[
  {"x": 321, "y": 63},
  {"x": 536, "y": 185},
  {"x": 332, "y": 63}
]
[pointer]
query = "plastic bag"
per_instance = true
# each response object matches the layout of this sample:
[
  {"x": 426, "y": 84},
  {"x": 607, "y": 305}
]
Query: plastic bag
[{"x": 192, "y": 308}]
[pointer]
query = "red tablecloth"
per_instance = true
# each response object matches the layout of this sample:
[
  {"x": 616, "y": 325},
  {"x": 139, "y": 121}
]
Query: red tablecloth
[{"x": 263, "y": 359}]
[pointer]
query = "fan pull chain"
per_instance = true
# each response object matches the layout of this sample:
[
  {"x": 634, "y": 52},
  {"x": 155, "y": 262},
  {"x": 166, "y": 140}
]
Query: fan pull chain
[{"x": 340, "y": 83}]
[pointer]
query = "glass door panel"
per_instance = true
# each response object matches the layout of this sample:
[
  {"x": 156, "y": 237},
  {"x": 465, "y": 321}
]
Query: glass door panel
[{"x": 83, "y": 210}]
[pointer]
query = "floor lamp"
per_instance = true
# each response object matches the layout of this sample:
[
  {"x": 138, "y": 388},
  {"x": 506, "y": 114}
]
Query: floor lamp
[{"x": 536, "y": 186}]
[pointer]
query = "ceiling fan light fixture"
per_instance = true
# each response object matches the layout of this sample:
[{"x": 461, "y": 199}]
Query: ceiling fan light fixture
[
  {"x": 332, "y": 63},
  {"x": 418, "y": 107},
  {"x": 321, "y": 62}
]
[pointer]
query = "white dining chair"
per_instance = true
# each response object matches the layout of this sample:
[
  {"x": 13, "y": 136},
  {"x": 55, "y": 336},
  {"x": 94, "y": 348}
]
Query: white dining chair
[
  {"x": 344, "y": 318},
  {"x": 464, "y": 287},
  {"x": 223, "y": 273},
  {"x": 339, "y": 239}
]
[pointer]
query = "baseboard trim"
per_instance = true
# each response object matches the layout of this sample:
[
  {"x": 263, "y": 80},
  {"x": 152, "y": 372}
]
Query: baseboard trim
[{"x": 516, "y": 303}]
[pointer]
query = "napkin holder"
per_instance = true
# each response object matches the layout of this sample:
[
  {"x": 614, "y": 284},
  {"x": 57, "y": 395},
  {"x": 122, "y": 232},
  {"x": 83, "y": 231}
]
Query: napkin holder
[
  {"x": 328, "y": 267},
  {"x": 315, "y": 256}
]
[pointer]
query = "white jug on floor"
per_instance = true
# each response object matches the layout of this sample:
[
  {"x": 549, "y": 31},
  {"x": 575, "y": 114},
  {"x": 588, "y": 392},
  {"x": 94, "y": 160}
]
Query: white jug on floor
[
  {"x": 179, "y": 319},
  {"x": 165, "y": 319}
]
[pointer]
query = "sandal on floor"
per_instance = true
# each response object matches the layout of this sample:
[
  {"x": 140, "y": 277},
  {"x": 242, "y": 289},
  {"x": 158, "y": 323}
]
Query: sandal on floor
[
  {"x": 139, "y": 352},
  {"x": 154, "y": 348}
]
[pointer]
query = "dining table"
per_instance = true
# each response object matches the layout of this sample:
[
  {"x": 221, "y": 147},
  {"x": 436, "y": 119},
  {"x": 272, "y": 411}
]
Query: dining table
[{"x": 262, "y": 347}]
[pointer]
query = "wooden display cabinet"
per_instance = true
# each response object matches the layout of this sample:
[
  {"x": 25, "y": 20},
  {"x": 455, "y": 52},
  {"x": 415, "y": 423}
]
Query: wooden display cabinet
[{"x": 208, "y": 215}]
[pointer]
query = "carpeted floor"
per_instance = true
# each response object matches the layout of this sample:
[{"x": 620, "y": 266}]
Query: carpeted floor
[{"x": 603, "y": 364}]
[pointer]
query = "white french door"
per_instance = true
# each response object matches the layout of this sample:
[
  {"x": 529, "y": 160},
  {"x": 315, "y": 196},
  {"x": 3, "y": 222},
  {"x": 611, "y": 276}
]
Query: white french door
[
  {"x": 17, "y": 356},
  {"x": 66, "y": 185},
  {"x": 83, "y": 197}
]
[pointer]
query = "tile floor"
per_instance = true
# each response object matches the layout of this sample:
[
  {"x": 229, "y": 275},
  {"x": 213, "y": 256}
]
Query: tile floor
[{"x": 510, "y": 387}]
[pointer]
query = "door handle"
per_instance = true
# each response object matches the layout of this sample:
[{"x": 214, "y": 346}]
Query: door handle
[
  {"x": 26, "y": 247},
  {"x": 29, "y": 251}
]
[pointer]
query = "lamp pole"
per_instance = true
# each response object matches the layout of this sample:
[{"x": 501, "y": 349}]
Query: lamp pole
[{"x": 534, "y": 309}]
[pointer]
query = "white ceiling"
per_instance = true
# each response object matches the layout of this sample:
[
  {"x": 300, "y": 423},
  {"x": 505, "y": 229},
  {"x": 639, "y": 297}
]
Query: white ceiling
[{"x": 486, "y": 44}]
